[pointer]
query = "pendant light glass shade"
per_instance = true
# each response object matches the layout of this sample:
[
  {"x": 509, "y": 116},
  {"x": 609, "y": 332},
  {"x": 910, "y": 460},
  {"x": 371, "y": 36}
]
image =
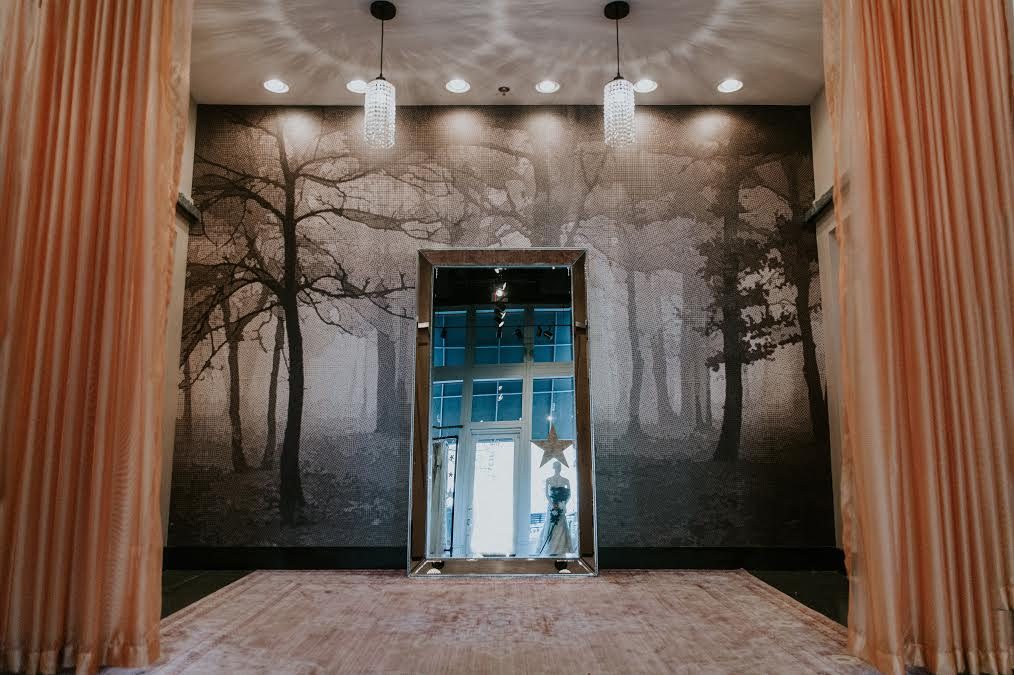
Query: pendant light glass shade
[
  {"x": 618, "y": 111},
  {"x": 378, "y": 119}
]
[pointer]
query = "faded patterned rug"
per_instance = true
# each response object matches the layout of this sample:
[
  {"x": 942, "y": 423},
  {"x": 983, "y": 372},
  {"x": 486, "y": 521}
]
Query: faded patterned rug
[{"x": 678, "y": 621}]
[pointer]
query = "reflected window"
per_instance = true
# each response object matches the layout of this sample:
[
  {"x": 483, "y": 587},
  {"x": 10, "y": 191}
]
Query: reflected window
[
  {"x": 445, "y": 409},
  {"x": 445, "y": 416},
  {"x": 445, "y": 462},
  {"x": 492, "y": 496},
  {"x": 552, "y": 339},
  {"x": 496, "y": 400},
  {"x": 449, "y": 331},
  {"x": 506, "y": 345},
  {"x": 553, "y": 401}
]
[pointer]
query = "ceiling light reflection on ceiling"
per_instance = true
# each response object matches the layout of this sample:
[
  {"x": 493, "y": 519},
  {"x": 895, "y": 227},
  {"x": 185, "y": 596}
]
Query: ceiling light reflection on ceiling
[
  {"x": 547, "y": 87},
  {"x": 276, "y": 86},
  {"x": 645, "y": 86},
  {"x": 730, "y": 85},
  {"x": 457, "y": 86},
  {"x": 356, "y": 86}
]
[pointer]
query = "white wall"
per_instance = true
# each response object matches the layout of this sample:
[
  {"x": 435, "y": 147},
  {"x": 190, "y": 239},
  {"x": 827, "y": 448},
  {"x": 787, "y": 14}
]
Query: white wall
[
  {"x": 823, "y": 147},
  {"x": 827, "y": 256},
  {"x": 174, "y": 322}
]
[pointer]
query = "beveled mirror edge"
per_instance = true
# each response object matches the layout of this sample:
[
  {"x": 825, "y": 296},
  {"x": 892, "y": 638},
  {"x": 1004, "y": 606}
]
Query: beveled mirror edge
[
  {"x": 418, "y": 563},
  {"x": 517, "y": 567}
]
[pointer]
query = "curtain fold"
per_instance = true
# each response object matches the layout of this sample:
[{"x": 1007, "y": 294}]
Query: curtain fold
[
  {"x": 94, "y": 107},
  {"x": 921, "y": 107}
]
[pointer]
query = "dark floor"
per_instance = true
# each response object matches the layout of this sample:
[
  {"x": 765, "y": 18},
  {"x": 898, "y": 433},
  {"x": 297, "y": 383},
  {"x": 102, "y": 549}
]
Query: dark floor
[
  {"x": 185, "y": 587},
  {"x": 825, "y": 592}
]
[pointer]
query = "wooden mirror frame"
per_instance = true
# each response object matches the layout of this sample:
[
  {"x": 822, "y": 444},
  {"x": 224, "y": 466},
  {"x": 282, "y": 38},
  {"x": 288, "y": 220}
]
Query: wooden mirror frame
[{"x": 419, "y": 563}]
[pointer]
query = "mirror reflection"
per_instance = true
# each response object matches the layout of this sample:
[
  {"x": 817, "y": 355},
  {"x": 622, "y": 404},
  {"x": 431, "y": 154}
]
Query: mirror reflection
[{"x": 502, "y": 421}]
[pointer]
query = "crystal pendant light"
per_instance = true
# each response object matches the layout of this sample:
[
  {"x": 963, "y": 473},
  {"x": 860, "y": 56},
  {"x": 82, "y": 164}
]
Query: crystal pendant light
[
  {"x": 618, "y": 95},
  {"x": 378, "y": 113}
]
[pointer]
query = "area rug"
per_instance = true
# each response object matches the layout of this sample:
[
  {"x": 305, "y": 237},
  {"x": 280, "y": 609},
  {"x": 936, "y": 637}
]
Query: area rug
[{"x": 297, "y": 622}]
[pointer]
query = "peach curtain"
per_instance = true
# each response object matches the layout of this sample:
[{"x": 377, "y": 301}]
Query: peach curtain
[
  {"x": 94, "y": 98},
  {"x": 921, "y": 105}
]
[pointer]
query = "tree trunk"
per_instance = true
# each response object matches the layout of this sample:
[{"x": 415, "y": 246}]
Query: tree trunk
[
  {"x": 707, "y": 418},
  {"x": 811, "y": 372},
  {"x": 270, "y": 447},
  {"x": 666, "y": 414},
  {"x": 797, "y": 269},
  {"x": 732, "y": 416},
  {"x": 233, "y": 335},
  {"x": 291, "y": 486},
  {"x": 188, "y": 405},
  {"x": 637, "y": 360},
  {"x": 695, "y": 383},
  {"x": 727, "y": 448},
  {"x": 386, "y": 361}
]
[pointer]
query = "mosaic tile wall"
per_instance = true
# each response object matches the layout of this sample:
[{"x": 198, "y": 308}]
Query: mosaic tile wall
[{"x": 709, "y": 413}]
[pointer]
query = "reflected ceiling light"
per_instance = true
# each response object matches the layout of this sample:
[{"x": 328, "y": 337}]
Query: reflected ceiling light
[
  {"x": 547, "y": 87},
  {"x": 356, "y": 86},
  {"x": 378, "y": 118},
  {"x": 730, "y": 85},
  {"x": 618, "y": 95},
  {"x": 276, "y": 86},
  {"x": 645, "y": 86},
  {"x": 457, "y": 86}
]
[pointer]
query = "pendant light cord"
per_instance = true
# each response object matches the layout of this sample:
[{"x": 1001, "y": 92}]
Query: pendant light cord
[
  {"x": 618, "y": 48},
  {"x": 382, "y": 49}
]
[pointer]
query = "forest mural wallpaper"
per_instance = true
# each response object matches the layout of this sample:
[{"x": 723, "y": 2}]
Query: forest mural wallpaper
[{"x": 704, "y": 315}]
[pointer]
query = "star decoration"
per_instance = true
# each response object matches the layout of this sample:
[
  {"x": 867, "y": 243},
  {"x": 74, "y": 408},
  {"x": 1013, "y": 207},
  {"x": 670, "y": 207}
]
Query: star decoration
[{"x": 553, "y": 447}]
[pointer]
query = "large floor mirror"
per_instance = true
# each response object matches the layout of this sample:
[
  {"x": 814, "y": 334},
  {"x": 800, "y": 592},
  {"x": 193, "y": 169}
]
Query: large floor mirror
[{"x": 502, "y": 455}]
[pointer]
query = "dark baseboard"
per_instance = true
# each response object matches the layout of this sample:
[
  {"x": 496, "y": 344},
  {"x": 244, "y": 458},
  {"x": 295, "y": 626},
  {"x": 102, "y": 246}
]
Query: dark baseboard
[
  {"x": 285, "y": 558},
  {"x": 395, "y": 558},
  {"x": 723, "y": 558}
]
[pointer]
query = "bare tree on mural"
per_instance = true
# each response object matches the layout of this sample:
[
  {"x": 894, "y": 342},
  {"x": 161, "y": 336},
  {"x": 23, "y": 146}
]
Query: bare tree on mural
[
  {"x": 199, "y": 325},
  {"x": 695, "y": 382},
  {"x": 738, "y": 269},
  {"x": 794, "y": 253},
  {"x": 266, "y": 177},
  {"x": 270, "y": 444},
  {"x": 209, "y": 311},
  {"x": 312, "y": 178},
  {"x": 655, "y": 236}
]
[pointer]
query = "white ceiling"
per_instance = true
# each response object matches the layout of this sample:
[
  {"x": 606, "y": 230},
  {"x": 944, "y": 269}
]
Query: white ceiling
[{"x": 688, "y": 46}]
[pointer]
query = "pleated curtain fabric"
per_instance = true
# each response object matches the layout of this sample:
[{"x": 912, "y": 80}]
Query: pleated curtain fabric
[
  {"x": 921, "y": 104},
  {"x": 94, "y": 98}
]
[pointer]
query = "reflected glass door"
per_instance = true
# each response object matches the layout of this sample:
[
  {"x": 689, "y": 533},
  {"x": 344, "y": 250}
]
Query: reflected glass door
[{"x": 491, "y": 521}]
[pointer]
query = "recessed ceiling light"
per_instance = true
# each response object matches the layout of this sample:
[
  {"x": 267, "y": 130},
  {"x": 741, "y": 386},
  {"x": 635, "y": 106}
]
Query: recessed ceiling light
[
  {"x": 276, "y": 86},
  {"x": 547, "y": 87},
  {"x": 729, "y": 86},
  {"x": 457, "y": 86},
  {"x": 356, "y": 86},
  {"x": 645, "y": 86}
]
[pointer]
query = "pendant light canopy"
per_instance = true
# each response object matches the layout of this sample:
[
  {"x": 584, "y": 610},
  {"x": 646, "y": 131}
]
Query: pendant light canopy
[
  {"x": 618, "y": 96},
  {"x": 378, "y": 118}
]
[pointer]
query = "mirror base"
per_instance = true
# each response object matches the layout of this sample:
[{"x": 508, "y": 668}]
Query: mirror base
[{"x": 574, "y": 567}]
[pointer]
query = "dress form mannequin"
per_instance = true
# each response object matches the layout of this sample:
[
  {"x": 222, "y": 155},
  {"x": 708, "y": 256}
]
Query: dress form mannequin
[{"x": 556, "y": 539}]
